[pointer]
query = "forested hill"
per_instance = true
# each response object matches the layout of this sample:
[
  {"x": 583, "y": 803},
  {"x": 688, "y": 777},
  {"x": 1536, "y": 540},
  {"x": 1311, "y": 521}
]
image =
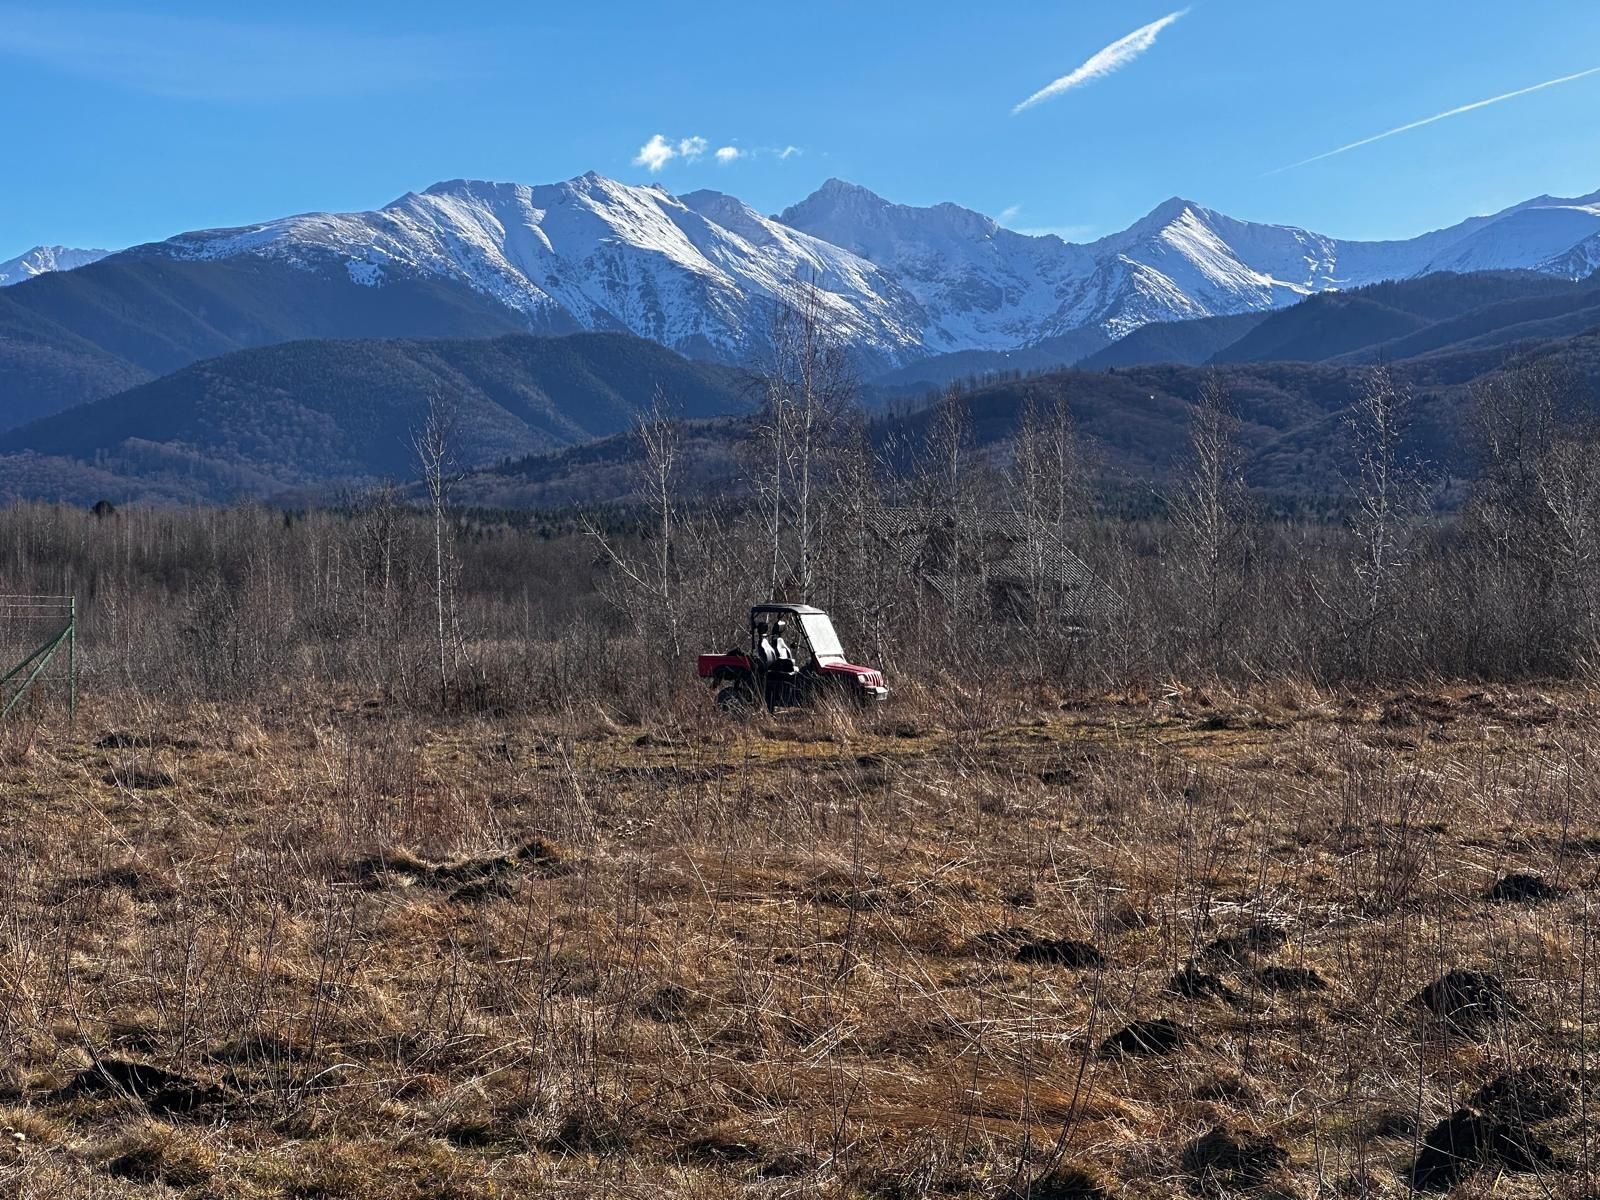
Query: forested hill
[
  {"x": 1134, "y": 422},
  {"x": 257, "y": 421},
  {"x": 73, "y": 336}
]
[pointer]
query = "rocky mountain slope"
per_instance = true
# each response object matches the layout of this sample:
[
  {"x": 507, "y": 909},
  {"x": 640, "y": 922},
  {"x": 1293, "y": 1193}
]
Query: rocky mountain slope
[
  {"x": 701, "y": 272},
  {"x": 41, "y": 260}
]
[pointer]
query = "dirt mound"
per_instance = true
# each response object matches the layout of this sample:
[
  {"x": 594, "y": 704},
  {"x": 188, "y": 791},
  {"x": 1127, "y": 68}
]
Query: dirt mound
[
  {"x": 1528, "y": 1096},
  {"x": 154, "y": 1161},
  {"x": 1002, "y": 942},
  {"x": 140, "y": 882},
  {"x": 590, "y": 1130},
  {"x": 538, "y": 856},
  {"x": 1291, "y": 979},
  {"x": 490, "y": 888},
  {"x": 1466, "y": 1141},
  {"x": 1392, "y": 1124},
  {"x": 669, "y": 1002},
  {"x": 1245, "y": 945},
  {"x": 1063, "y": 1183},
  {"x": 121, "y": 740},
  {"x": 764, "y": 1162},
  {"x": 1469, "y": 1001},
  {"x": 1412, "y": 709},
  {"x": 137, "y": 779},
  {"x": 1521, "y": 888},
  {"x": 1225, "y": 1161},
  {"x": 161, "y": 1091},
  {"x": 468, "y": 879},
  {"x": 1145, "y": 1039},
  {"x": 867, "y": 891},
  {"x": 1194, "y": 984},
  {"x": 1060, "y": 952},
  {"x": 256, "y": 1048}
]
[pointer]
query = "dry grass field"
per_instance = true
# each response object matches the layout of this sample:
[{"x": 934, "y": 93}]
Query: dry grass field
[{"x": 1131, "y": 946}]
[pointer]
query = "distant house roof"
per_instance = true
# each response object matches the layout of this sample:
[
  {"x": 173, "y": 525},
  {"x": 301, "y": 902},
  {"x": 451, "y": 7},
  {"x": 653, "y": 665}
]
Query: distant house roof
[{"x": 996, "y": 550}]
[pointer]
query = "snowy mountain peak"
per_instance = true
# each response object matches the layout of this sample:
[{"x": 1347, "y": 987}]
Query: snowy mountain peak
[
  {"x": 42, "y": 260},
  {"x": 704, "y": 271},
  {"x": 593, "y": 253},
  {"x": 835, "y": 188},
  {"x": 1168, "y": 211}
]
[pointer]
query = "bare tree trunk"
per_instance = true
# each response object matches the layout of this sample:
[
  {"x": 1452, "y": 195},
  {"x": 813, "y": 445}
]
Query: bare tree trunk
[
  {"x": 949, "y": 514},
  {"x": 807, "y": 386},
  {"x": 434, "y": 448},
  {"x": 1387, "y": 493},
  {"x": 661, "y": 436},
  {"x": 656, "y": 579},
  {"x": 1209, "y": 516},
  {"x": 1049, "y": 489}
]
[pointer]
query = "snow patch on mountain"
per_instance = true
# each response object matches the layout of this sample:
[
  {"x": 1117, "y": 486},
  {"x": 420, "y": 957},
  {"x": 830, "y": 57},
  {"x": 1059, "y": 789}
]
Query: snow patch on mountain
[
  {"x": 701, "y": 273},
  {"x": 704, "y": 272},
  {"x": 1580, "y": 262},
  {"x": 989, "y": 288},
  {"x": 42, "y": 260}
]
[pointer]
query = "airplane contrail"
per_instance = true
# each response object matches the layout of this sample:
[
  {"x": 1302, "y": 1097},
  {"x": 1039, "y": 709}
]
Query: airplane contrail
[
  {"x": 1454, "y": 112},
  {"x": 1114, "y": 57}
]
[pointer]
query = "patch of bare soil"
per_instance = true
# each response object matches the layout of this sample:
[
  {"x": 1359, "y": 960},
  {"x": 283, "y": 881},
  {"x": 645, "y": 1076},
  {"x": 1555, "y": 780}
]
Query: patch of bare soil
[
  {"x": 1224, "y": 1162},
  {"x": 161, "y": 1091},
  {"x": 1469, "y": 1002},
  {"x": 1155, "y": 1038}
]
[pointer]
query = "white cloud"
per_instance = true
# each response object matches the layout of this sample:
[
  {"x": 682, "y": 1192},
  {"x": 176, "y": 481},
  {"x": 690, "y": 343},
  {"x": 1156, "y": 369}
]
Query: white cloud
[
  {"x": 1007, "y": 215},
  {"x": 655, "y": 154},
  {"x": 1454, "y": 112},
  {"x": 1113, "y": 58},
  {"x": 661, "y": 150}
]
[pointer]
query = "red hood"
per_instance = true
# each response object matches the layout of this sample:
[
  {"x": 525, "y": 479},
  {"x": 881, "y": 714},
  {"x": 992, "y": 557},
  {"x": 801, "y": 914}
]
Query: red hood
[{"x": 864, "y": 674}]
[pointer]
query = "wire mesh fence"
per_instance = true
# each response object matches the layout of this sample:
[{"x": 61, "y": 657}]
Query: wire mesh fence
[{"x": 38, "y": 655}]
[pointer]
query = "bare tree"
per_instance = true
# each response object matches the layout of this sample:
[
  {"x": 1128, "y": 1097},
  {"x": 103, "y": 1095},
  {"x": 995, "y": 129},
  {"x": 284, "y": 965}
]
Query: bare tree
[
  {"x": 807, "y": 386},
  {"x": 434, "y": 446},
  {"x": 1536, "y": 505},
  {"x": 1388, "y": 493},
  {"x": 949, "y": 507},
  {"x": 771, "y": 473},
  {"x": 1049, "y": 482},
  {"x": 1210, "y": 516},
  {"x": 855, "y": 562},
  {"x": 660, "y": 436}
]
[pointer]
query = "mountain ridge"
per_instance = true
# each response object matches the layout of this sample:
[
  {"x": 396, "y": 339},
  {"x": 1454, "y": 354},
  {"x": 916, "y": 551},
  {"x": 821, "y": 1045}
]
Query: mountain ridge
[
  {"x": 258, "y": 421},
  {"x": 704, "y": 273},
  {"x": 701, "y": 272},
  {"x": 42, "y": 260}
]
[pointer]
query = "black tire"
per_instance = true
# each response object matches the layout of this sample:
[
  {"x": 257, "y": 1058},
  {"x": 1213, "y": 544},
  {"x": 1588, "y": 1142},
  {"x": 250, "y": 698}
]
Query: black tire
[{"x": 737, "y": 700}]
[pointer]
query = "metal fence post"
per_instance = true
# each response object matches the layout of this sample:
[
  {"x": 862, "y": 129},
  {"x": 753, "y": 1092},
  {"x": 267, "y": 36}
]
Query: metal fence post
[
  {"x": 72, "y": 666},
  {"x": 31, "y": 610}
]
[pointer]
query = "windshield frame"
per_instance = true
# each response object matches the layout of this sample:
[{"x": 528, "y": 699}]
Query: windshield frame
[{"x": 820, "y": 636}]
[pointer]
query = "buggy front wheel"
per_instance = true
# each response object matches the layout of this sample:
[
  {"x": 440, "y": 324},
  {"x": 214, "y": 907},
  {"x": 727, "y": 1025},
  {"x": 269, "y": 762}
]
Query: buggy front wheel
[{"x": 737, "y": 700}]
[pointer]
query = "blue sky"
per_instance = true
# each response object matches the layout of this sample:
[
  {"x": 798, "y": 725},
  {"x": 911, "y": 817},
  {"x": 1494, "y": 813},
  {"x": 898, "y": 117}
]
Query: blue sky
[{"x": 126, "y": 123}]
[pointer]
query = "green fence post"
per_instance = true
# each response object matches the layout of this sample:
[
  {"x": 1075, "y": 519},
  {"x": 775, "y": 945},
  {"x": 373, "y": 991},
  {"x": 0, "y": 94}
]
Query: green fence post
[{"x": 72, "y": 666}]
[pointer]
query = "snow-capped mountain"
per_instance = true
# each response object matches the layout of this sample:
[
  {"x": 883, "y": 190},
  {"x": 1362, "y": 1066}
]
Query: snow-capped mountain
[
  {"x": 702, "y": 272},
  {"x": 1580, "y": 262},
  {"x": 985, "y": 286},
  {"x": 43, "y": 259}
]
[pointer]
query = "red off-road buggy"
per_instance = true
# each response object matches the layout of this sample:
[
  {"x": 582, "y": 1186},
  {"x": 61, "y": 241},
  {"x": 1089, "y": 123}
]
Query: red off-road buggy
[{"x": 794, "y": 659}]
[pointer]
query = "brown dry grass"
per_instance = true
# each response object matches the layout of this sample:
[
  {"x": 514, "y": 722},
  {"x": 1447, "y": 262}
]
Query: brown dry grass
[{"x": 386, "y": 959}]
